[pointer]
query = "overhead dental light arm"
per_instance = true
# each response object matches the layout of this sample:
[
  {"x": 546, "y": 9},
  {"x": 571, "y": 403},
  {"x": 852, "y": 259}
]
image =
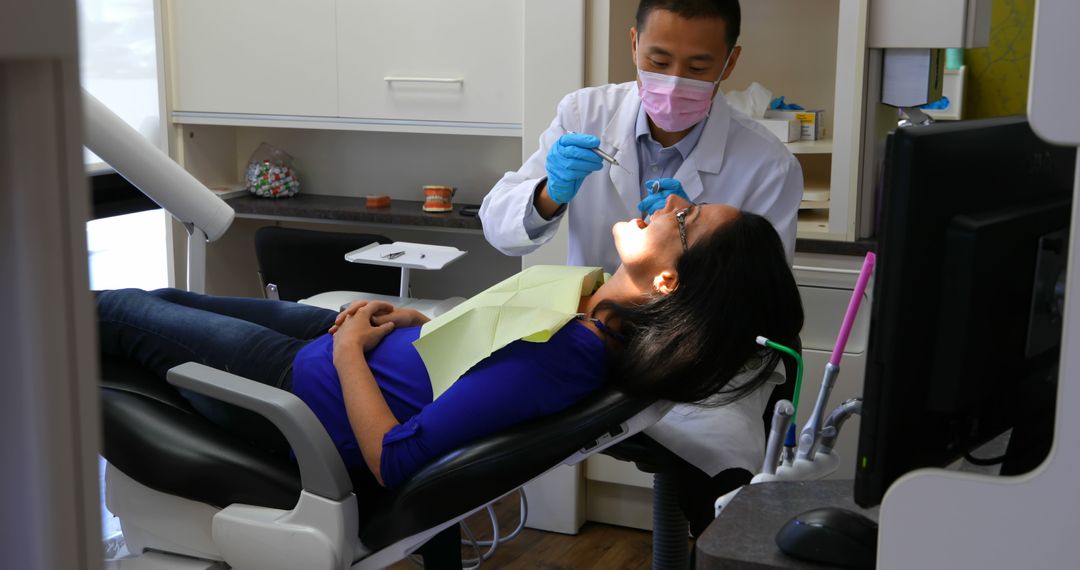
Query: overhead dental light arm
[{"x": 205, "y": 216}]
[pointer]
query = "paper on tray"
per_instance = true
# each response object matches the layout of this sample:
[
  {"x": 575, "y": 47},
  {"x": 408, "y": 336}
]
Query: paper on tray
[{"x": 531, "y": 306}]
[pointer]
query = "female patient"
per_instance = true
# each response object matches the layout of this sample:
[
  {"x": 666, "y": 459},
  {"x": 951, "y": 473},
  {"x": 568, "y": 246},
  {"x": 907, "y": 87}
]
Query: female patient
[{"x": 677, "y": 320}]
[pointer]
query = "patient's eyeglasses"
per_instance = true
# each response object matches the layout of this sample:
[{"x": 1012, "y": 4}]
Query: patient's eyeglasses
[{"x": 680, "y": 217}]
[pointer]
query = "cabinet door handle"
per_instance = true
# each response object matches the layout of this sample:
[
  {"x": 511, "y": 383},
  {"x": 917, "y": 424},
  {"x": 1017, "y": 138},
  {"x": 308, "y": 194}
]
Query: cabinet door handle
[
  {"x": 825, "y": 270},
  {"x": 396, "y": 79}
]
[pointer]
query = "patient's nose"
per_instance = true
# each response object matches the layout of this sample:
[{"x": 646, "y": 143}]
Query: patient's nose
[{"x": 673, "y": 203}]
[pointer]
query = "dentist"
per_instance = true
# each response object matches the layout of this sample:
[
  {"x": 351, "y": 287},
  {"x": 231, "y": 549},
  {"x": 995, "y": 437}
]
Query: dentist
[
  {"x": 672, "y": 133},
  {"x": 672, "y": 125}
]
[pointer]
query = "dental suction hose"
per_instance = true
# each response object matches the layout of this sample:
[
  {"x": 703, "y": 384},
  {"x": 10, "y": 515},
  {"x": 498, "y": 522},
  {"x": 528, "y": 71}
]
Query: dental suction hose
[
  {"x": 782, "y": 414},
  {"x": 808, "y": 438},
  {"x": 789, "y": 441},
  {"x": 836, "y": 420},
  {"x": 811, "y": 433}
]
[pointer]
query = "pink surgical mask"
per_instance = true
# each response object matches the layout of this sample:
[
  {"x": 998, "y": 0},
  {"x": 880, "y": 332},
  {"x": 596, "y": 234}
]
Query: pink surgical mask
[{"x": 677, "y": 103}]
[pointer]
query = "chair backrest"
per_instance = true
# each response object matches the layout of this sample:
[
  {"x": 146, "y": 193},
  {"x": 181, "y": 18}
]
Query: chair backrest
[{"x": 302, "y": 263}]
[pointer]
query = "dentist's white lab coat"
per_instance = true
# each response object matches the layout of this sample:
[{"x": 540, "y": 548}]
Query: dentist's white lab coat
[{"x": 736, "y": 161}]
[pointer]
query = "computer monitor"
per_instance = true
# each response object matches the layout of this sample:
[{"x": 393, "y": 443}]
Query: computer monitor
[{"x": 966, "y": 318}]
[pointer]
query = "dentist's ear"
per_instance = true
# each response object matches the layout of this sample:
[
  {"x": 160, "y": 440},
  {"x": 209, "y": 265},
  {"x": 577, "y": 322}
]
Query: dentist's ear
[{"x": 665, "y": 282}]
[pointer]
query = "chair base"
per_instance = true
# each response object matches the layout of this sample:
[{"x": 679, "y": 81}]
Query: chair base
[{"x": 156, "y": 521}]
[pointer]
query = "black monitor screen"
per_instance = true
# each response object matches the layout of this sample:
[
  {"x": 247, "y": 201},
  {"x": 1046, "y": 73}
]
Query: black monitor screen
[{"x": 965, "y": 323}]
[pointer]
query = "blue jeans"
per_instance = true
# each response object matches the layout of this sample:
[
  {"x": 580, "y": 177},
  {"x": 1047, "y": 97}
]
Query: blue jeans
[{"x": 253, "y": 338}]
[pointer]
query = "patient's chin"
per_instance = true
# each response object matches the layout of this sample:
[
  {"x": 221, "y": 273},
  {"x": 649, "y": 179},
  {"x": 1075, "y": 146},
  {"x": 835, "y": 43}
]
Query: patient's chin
[{"x": 629, "y": 241}]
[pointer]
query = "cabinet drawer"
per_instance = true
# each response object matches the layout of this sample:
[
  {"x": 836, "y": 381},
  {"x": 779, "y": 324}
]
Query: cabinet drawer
[
  {"x": 274, "y": 57},
  {"x": 824, "y": 313},
  {"x": 431, "y": 60}
]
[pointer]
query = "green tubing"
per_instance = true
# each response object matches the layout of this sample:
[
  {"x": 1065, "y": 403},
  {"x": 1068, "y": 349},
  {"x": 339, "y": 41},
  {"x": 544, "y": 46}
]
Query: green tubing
[{"x": 798, "y": 375}]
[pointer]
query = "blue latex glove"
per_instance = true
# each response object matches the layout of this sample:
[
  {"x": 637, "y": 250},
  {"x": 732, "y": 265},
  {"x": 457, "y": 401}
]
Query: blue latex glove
[
  {"x": 568, "y": 163},
  {"x": 940, "y": 104},
  {"x": 779, "y": 103},
  {"x": 658, "y": 196}
]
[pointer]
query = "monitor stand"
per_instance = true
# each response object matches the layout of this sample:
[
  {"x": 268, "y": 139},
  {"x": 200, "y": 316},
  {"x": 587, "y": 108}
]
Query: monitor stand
[{"x": 940, "y": 519}]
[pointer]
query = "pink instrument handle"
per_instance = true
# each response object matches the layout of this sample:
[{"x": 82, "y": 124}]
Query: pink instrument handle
[{"x": 853, "y": 308}]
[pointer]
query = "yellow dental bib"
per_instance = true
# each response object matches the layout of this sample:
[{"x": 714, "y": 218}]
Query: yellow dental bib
[{"x": 531, "y": 306}]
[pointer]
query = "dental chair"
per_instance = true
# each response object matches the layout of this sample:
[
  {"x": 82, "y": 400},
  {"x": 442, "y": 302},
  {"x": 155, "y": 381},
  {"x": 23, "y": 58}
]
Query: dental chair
[{"x": 192, "y": 495}]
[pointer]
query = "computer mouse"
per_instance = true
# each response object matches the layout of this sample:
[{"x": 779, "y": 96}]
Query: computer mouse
[{"x": 831, "y": 536}]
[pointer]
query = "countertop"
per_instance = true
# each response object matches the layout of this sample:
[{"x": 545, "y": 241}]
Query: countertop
[
  {"x": 317, "y": 207},
  {"x": 350, "y": 209},
  {"x": 744, "y": 535}
]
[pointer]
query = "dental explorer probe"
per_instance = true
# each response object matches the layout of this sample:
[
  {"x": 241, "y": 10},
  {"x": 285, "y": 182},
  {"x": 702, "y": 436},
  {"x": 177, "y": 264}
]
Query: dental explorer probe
[
  {"x": 655, "y": 189},
  {"x": 606, "y": 156},
  {"x": 601, "y": 154}
]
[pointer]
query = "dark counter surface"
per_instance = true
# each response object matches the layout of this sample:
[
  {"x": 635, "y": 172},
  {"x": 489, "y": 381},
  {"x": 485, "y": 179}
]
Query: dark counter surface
[
  {"x": 345, "y": 209},
  {"x": 350, "y": 209},
  {"x": 744, "y": 535}
]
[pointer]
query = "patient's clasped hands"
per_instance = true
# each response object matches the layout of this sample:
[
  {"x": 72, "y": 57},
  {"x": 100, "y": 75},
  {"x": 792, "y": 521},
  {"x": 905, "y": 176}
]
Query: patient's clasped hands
[{"x": 365, "y": 323}]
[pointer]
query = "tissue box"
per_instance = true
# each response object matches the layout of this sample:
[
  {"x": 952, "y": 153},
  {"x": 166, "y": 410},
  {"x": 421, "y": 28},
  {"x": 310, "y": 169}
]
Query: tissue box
[
  {"x": 787, "y": 130},
  {"x": 810, "y": 120}
]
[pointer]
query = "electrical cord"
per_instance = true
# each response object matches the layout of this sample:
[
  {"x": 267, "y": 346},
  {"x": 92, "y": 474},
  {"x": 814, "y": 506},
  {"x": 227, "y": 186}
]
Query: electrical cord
[
  {"x": 476, "y": 562},
  {"x": 496, "y": 540},
  {"x": 524, "y": 513}
]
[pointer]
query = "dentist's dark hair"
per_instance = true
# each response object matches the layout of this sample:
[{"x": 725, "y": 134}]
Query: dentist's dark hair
[
  {"x": 687, "y": 346},
  {"x": 727, "y": 10}
]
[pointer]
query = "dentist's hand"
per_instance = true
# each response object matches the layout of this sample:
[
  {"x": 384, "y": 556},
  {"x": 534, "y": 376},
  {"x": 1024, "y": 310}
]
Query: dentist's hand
[
  {"x": 568, "y": 163},
  {"x": 658, "y": 195}
]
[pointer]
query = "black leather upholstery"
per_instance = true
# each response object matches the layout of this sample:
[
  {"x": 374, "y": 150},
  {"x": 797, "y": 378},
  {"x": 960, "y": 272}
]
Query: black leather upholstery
[
  {"x": 303, "y": 263},
  {"x": 153, "y": 436},
  {"x": 469, "y": 477}
]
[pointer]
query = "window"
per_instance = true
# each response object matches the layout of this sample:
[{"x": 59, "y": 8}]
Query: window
[{"x": 118, "y": 65}]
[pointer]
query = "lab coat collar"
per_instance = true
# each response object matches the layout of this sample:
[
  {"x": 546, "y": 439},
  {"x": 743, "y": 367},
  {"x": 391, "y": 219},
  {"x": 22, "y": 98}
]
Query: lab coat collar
[
  {"x": 714, "y": 137},
  {"x": 707, "y": 156}
]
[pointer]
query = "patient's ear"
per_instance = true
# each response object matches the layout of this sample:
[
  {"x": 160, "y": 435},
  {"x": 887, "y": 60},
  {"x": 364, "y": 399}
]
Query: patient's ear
[{"x": 665, "y": 282}]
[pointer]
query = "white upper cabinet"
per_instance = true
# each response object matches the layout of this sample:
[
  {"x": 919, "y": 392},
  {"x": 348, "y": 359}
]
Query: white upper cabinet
[
  {"x": 276, "y": 57},
  {"x": 431, "y": 60}
]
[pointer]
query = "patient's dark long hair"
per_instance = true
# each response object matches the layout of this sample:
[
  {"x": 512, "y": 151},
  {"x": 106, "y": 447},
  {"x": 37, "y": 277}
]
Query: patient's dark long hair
[{"x": 686, "y": 346}]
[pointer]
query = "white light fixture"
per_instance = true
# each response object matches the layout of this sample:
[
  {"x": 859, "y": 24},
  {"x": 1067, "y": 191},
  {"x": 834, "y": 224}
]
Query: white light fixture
[{"x": 205, "y": 216}]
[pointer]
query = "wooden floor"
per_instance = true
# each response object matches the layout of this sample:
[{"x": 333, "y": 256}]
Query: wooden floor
[{"x": 596, "y": 546}]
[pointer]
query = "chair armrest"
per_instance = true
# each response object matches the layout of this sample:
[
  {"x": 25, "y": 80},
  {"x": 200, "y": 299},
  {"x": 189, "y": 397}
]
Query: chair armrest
[{"x": 322, "y": 472}]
